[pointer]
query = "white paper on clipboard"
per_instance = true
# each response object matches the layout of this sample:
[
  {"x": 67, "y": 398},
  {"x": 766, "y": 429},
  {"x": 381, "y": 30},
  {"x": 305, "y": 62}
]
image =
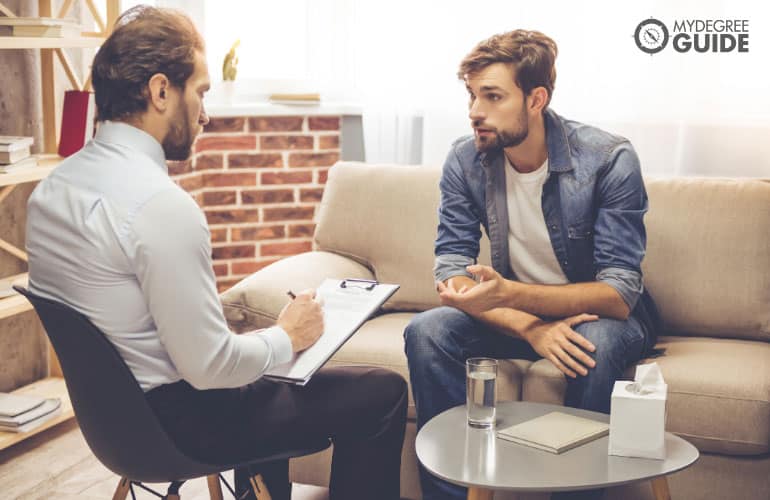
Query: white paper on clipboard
[{"x": 347, "y": 304}]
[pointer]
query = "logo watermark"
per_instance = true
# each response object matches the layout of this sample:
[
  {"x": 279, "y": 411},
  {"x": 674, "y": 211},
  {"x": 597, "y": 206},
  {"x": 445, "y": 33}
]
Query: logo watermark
[{"x": 693, "y": 35}]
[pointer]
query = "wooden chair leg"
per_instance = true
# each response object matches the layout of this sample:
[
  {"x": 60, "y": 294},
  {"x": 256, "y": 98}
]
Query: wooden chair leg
[
  {"x": 660, "y": 488},
  {"x": 480, "y": 494},
  {"x": 260, "y": 488},
  {"x": 121, "y": 492},
  {"x": 215, "y": 487}
]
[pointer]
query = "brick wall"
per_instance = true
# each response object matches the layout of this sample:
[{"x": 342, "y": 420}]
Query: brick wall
[{"x": 259, "y": 181}]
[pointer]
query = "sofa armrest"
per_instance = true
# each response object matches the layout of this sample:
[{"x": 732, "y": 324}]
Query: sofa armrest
[{"x": 256, "y": 301}]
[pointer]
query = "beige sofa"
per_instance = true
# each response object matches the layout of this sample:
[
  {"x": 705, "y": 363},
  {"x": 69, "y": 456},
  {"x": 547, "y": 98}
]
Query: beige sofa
[{"x": 707, "y": 265}]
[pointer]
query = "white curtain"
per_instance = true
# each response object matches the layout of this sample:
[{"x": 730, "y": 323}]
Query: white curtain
[{"x": 687, "y": 114}]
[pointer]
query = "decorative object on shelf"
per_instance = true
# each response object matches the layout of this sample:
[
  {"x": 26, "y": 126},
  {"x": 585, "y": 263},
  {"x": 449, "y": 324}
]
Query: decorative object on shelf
[
  {"x": 229, "y": 72},
  {"x": 77, "y": 121},
  {"x": 230, "y": 64},
  {"x": 39, "y": 27}
]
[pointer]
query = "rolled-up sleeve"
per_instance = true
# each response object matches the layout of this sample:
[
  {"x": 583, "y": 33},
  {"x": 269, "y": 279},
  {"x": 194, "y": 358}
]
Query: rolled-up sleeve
[
  {"x": 620, "y": 238},
  {"x": 459, "y": 227},
  {"x": 172, "y": 260}
]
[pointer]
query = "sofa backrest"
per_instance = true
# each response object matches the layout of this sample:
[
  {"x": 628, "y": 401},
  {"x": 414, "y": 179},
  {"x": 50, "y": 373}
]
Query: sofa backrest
[
  {"x": 707, "y": 265},
  {"x": 708, "y": 255}
]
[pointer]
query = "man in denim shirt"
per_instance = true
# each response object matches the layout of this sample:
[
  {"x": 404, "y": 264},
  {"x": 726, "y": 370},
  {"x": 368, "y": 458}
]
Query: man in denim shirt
[{"x": 563, "y": 206}]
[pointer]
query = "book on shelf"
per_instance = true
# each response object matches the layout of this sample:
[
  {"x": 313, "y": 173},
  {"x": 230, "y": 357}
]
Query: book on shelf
[
  {"x": 6, "y": 290},
  {"x": 301, "y": 99},
  {"x": 28, "y": 162},
  {"x": 10, "y": 143},
  {"x": 555, "y": 432},
  {"x": 41, "y": 411},
  {"x": 12, "y": 405},
  {"x": 8, "y": 157},
  {"x": 39, "y": 27},
  {"x": 77, "y": 121}
]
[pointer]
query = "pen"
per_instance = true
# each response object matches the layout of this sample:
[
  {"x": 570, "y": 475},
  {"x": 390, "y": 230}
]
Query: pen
[{"x": 291, "y": 294}]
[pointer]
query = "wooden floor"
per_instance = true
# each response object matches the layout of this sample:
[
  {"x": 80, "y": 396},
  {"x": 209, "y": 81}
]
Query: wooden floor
[{"x": 58, "y": 464}]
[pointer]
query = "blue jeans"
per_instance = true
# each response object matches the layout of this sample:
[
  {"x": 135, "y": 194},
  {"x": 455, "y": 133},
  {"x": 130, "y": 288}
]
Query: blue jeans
[{"x": 438, "y": 342}]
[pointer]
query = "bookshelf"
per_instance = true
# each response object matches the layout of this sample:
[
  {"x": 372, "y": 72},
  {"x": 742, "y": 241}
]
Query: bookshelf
[
  {"x": 19, "y": 42},
  {"x": 50, "y": 50}
]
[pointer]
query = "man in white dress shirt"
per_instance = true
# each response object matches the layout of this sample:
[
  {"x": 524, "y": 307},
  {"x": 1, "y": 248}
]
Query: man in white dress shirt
[{"x": 111, "y": 235}]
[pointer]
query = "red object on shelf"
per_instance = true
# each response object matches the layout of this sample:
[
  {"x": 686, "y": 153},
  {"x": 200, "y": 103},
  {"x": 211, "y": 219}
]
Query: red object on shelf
[{"x": 77, "y": 121}]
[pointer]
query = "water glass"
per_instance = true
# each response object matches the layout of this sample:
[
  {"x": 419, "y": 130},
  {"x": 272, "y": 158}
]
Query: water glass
[{"x": 481, "y": 392}]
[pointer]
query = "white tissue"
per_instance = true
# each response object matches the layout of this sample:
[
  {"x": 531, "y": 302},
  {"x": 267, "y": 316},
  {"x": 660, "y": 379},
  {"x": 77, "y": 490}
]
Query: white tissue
[{"x": 648, "y": 379}]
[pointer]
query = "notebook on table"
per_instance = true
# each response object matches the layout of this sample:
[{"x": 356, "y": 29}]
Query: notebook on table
[{"x": 555, "y": 432}]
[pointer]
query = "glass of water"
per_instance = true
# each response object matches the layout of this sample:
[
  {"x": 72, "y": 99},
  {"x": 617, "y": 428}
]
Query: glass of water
[{"x": 481, "y": 391}]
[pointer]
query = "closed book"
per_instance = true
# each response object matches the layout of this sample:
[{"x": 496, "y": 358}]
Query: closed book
[
  {"x": 77, "y": 125},
  {"x": 555, "y": 432},
  {"x": 309, "y": 99},
  {"x": 47, "y": 406},
  {"x": 7, "y": 157},
  {"x": 33, "y": 423},
  {"x": 28, "y": 162},
  {"x": 310, "y": 96},
  {"x": 10, "y": 143},
  {"x": 12, "y": 405}
]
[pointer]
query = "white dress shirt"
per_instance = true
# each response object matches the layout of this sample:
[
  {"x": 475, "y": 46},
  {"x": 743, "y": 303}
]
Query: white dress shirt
[{"x": 111, "y": 235}]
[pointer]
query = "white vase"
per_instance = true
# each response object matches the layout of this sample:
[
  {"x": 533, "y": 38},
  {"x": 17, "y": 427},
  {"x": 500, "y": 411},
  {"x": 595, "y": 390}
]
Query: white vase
[{"x": 227, "y": 92}]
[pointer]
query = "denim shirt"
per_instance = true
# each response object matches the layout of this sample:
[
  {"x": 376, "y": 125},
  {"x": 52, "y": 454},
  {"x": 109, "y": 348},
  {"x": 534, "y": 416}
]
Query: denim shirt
[{"x": 593, "y": 203}]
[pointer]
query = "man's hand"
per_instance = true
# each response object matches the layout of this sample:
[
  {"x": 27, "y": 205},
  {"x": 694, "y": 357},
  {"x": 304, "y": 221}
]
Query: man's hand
[
  {"x": 561, "y": 345},
  {"x": 302, "y": 319},
  {"x": 491, "y": 292}
]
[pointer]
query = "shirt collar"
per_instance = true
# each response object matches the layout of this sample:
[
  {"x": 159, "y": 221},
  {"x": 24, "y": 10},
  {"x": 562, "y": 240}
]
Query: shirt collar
[
  {"x": 131, "y": 137},
  {"x": 559, "y": 157}
]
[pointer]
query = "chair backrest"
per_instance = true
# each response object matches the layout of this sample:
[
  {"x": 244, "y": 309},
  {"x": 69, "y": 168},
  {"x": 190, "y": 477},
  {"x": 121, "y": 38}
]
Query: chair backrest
[{"x": 112, "y": 411}]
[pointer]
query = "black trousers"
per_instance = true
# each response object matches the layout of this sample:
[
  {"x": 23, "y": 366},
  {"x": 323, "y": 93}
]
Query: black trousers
[{"x": 363, "y": 411}]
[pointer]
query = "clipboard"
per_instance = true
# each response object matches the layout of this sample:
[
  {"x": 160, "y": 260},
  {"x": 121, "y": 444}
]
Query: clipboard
[{"x": 347, "y": 304}]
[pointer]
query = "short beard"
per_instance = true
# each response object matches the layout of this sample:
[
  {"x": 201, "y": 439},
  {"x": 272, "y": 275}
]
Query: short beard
[
  {"x": 505, "y": 139},
  {"x": 177, "y": 145}
]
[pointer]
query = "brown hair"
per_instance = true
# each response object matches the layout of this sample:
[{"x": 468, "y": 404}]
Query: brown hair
[
  {"x": 146, "y": 41},
  {"x": 531, "y": 53}
]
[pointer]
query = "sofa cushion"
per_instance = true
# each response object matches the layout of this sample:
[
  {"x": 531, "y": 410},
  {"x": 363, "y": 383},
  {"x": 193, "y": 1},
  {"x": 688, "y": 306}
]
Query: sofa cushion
[
  {"x": 708, "y": 256},
  {"x": 385, "y": 216},
  {"x": 380, "y": 342},
  {"x": 718, "y": 391}
]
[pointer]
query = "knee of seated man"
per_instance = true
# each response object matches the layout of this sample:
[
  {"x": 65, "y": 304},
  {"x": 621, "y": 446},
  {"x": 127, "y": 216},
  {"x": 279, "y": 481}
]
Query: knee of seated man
[
  {"x": 611, "y": 337},
  {"x": 432, "y": 328},
  {"x": 390, "y": 387}
]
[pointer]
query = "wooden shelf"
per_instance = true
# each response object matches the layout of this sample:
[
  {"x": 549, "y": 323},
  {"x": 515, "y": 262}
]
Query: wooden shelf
[
  {"x": 51, "y": 387},
  {"x": 28, "y": 42},
  {"x": 15, "y": 304},
  {"x": 46, "y": 163}
]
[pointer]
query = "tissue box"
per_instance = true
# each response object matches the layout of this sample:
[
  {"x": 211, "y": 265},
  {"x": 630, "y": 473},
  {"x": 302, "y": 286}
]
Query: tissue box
[{"x": 638, "y": 422}]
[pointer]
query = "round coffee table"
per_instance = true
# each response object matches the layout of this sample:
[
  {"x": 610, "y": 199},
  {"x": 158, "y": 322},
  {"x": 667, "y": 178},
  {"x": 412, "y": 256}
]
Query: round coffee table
[{"x": 475, "y": 458}]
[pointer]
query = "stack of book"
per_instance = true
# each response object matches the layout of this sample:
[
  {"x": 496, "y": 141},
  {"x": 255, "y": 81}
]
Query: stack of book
[
  {"x": 15, "y": 153},
  {"x": 39, "y": 27},
  {"x": 22, "y": 413},
  {"x": 296, "y": 99}
]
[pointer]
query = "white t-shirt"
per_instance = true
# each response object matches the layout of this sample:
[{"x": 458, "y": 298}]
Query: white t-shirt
[{"x": 530, "y": 250}]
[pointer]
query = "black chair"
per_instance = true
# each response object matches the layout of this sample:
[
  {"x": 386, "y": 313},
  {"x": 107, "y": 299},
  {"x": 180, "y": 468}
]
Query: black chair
[{"x": 116, "y": 419}]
